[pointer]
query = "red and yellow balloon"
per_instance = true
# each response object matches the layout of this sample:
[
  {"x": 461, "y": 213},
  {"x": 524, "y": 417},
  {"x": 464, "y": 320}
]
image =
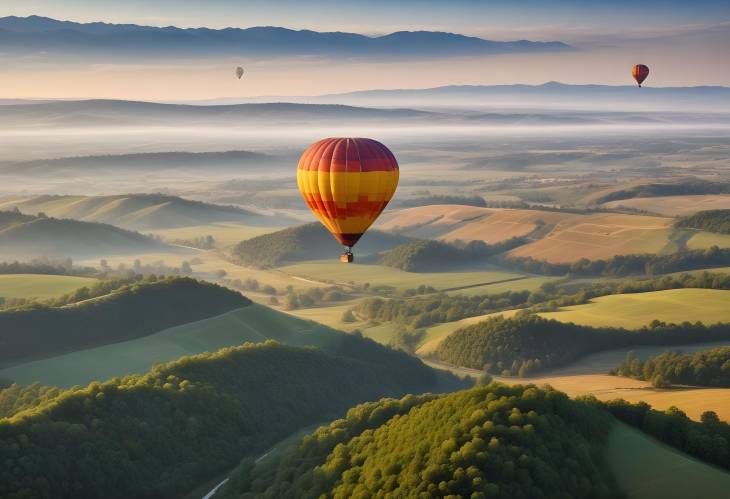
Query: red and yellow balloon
[
  {"x": 640, "y": 72},
  {"x": 347, "y": 182}
]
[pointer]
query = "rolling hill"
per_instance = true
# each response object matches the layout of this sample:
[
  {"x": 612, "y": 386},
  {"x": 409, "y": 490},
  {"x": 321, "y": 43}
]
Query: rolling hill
[
  {"x": 490, "y": 441},
  {"x": 306, "y": 242},
  {"x": 29, "y": 236},
  {"x": 162, "y": 433},
  {"x": 23, "y": 35},
  {"x": 131, "y": 311},
  {"x": 138, "y": 212}
]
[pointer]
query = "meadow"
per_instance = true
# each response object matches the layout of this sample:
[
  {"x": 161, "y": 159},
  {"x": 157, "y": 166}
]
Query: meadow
[
  {"x": 226, "y": 234},
  {"x": 639, "y": 309},
  {"x": 40, "y": 286}
]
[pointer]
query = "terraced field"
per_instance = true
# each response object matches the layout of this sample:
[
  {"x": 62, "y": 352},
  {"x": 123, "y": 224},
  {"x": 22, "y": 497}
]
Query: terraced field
[
  {"x": 639, "y": 309},
  {"x": 40, "y": 286}
]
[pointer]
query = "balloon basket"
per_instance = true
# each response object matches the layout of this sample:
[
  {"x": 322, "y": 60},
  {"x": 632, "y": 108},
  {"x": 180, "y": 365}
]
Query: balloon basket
[{"x": 347, "y": 257}]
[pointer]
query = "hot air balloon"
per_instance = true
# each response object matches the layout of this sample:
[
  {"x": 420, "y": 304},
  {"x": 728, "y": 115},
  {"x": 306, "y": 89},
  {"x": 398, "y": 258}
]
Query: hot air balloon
[
  {"x": 239, "y": 72},
  {"x": 347, "y": 182},
  {"x": 640, "y": 72}
]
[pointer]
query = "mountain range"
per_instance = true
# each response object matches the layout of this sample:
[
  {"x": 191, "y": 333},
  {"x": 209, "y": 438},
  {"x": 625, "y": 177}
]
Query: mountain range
[{"x": 33, "y": 34}]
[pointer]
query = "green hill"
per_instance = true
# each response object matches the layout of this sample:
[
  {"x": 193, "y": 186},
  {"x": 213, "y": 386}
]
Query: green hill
[
  {"x": 183, "y": 423},
  {"x": 711, "y": 220},
  {"x": 306, "y": 242},
  {"x": 141, "y": 212},
  {"x": 23, "y": 237},
  {"x": 490, "y": 441},
  {"x": 131, "y": 311}
]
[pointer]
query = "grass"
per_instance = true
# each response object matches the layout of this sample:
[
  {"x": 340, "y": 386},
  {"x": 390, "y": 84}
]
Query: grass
[
  {"x": 226, "y": 234},
  {"x": 380, "y": 275},
  {"x": 253, "y": 323},
  {"x": 40, "y": 286},
  {"x": 647, "y": 469},
  {"x": 704, "y": 240},
  {"x": 639, "y": 309}
]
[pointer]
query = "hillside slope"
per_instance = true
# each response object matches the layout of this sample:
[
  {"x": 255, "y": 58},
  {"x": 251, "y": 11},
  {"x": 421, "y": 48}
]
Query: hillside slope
[
  {"x": 34, "y": 236},
  {"x": 183, "y": 423},
  {"x": 306, "y": 242},
  {"x": 129, "y": 312},
  {"x": 140, "y": 212}
]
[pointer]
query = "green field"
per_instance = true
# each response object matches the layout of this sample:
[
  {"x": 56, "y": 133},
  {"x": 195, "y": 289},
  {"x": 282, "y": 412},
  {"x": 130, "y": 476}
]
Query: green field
[
  {"x": 704, "y": 240},
  {"x": 253, "y": 323},
  {"x": 647, "y": 469},
  {"x": 40, "y": 286},
  {"x": 380, "y": 275},
  {"x": 225, "y": 233},
  {"x": 639, "y": 309}
]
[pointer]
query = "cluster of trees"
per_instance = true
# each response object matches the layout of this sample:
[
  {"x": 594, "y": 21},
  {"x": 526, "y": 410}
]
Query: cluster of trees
[
  {"x": 710, "y": 220},
  {"x": 305, "y": 242},
  {"x": 137, "y": 309},
  {"x": 314, "y": 297},
  {"x": 624, "y": 265},
  {"x": 690, "y": 187},
  {"x": 707, "y": 440},
  {"x": 162, "y": 433},
  {"x": 436, "y": 199},
  {"x": 15, "y": 398},
  {"x": 45, "y": 266},
  {"x": 706, "y": 368},
  {"x": 250, "y": 284},
  {"x": 154, "y": 268},
  {"x": 526, "y": 343},
  {"x": 430, "y": 255},
  {"x": 422, "y": 311},
  {"x": 203, "y": 242},
  {"x": 490, "y": 441}
]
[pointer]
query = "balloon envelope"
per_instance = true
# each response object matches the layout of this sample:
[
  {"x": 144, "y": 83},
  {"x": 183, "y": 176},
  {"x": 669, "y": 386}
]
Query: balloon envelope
[
  {"x": 640, "y": 72},
  {"x": 239, "y": 72},
  {"x": 347, "y": 182}
]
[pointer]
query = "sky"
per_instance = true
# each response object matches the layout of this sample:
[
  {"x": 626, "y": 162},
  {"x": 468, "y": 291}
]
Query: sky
[{"x": 684, "y": 42}]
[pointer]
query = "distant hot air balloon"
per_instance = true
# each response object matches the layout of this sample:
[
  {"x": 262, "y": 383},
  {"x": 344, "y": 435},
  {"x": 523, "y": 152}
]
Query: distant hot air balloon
[
  {"x": 239, "y": 72},
  {"x": 347, "y": 183},
  {"x": 640, "y": 72}
]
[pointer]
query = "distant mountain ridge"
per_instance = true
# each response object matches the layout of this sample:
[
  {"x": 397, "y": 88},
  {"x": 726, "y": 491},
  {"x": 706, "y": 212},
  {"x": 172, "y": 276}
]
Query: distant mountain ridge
[{"x": 35, "y": 33}]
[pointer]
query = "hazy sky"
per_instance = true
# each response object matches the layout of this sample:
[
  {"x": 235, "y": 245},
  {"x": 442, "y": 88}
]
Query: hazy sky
[{"x": 685, "y": 43}]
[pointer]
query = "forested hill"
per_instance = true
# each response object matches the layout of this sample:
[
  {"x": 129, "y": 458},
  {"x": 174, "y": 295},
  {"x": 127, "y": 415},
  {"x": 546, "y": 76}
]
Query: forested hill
[
  {"x": 306, "y": 242},
  {"x": 493, "y": 441},
  {"x": 131, "y": 311},
  {"x": 710, "y": 220},
  {"x": 184, "y": 423},
  {"x": 706, "y": 368},
  {"x": 24, "y": 236}
]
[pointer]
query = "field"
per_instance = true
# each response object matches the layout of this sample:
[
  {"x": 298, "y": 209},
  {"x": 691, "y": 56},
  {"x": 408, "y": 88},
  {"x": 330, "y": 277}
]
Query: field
[
  {"x": 703, "y": 240},
  {"x": 647, "y": 469},
  {"x": 672, "y": 206},
  {"x": 565, "y": 237},
  {"x": 639, "y": 309},
  {"x": 226, "y": 234},
  {"x": 40, "y": 286},
  {"x": 336, "y": 272},
  {"x": 253, "y": 323}
]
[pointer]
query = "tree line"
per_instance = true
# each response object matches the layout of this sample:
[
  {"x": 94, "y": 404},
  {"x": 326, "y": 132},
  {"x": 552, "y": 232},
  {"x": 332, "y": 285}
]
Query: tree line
[
  {"x": 525, "y": 344},
  {"x": 706, "y": 368},
  {"x": 710, "y": 220}
]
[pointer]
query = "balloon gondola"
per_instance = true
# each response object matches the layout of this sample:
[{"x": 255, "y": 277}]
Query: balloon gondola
[{"x": 347, "y": 182}]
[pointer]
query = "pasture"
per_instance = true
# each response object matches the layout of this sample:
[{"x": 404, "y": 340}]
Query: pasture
[
  {"x": 639, "y": 309},
  {"x": 648, "y": 469},
  {"x": 704, "y": 240},
  {"x": 40, "y": 286},
  {"x": 248, "y": 324}
]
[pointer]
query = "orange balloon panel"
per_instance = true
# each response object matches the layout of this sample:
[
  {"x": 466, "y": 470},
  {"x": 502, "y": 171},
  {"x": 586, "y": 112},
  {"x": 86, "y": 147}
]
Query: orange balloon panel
[{"x": 347, "y": 183}]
